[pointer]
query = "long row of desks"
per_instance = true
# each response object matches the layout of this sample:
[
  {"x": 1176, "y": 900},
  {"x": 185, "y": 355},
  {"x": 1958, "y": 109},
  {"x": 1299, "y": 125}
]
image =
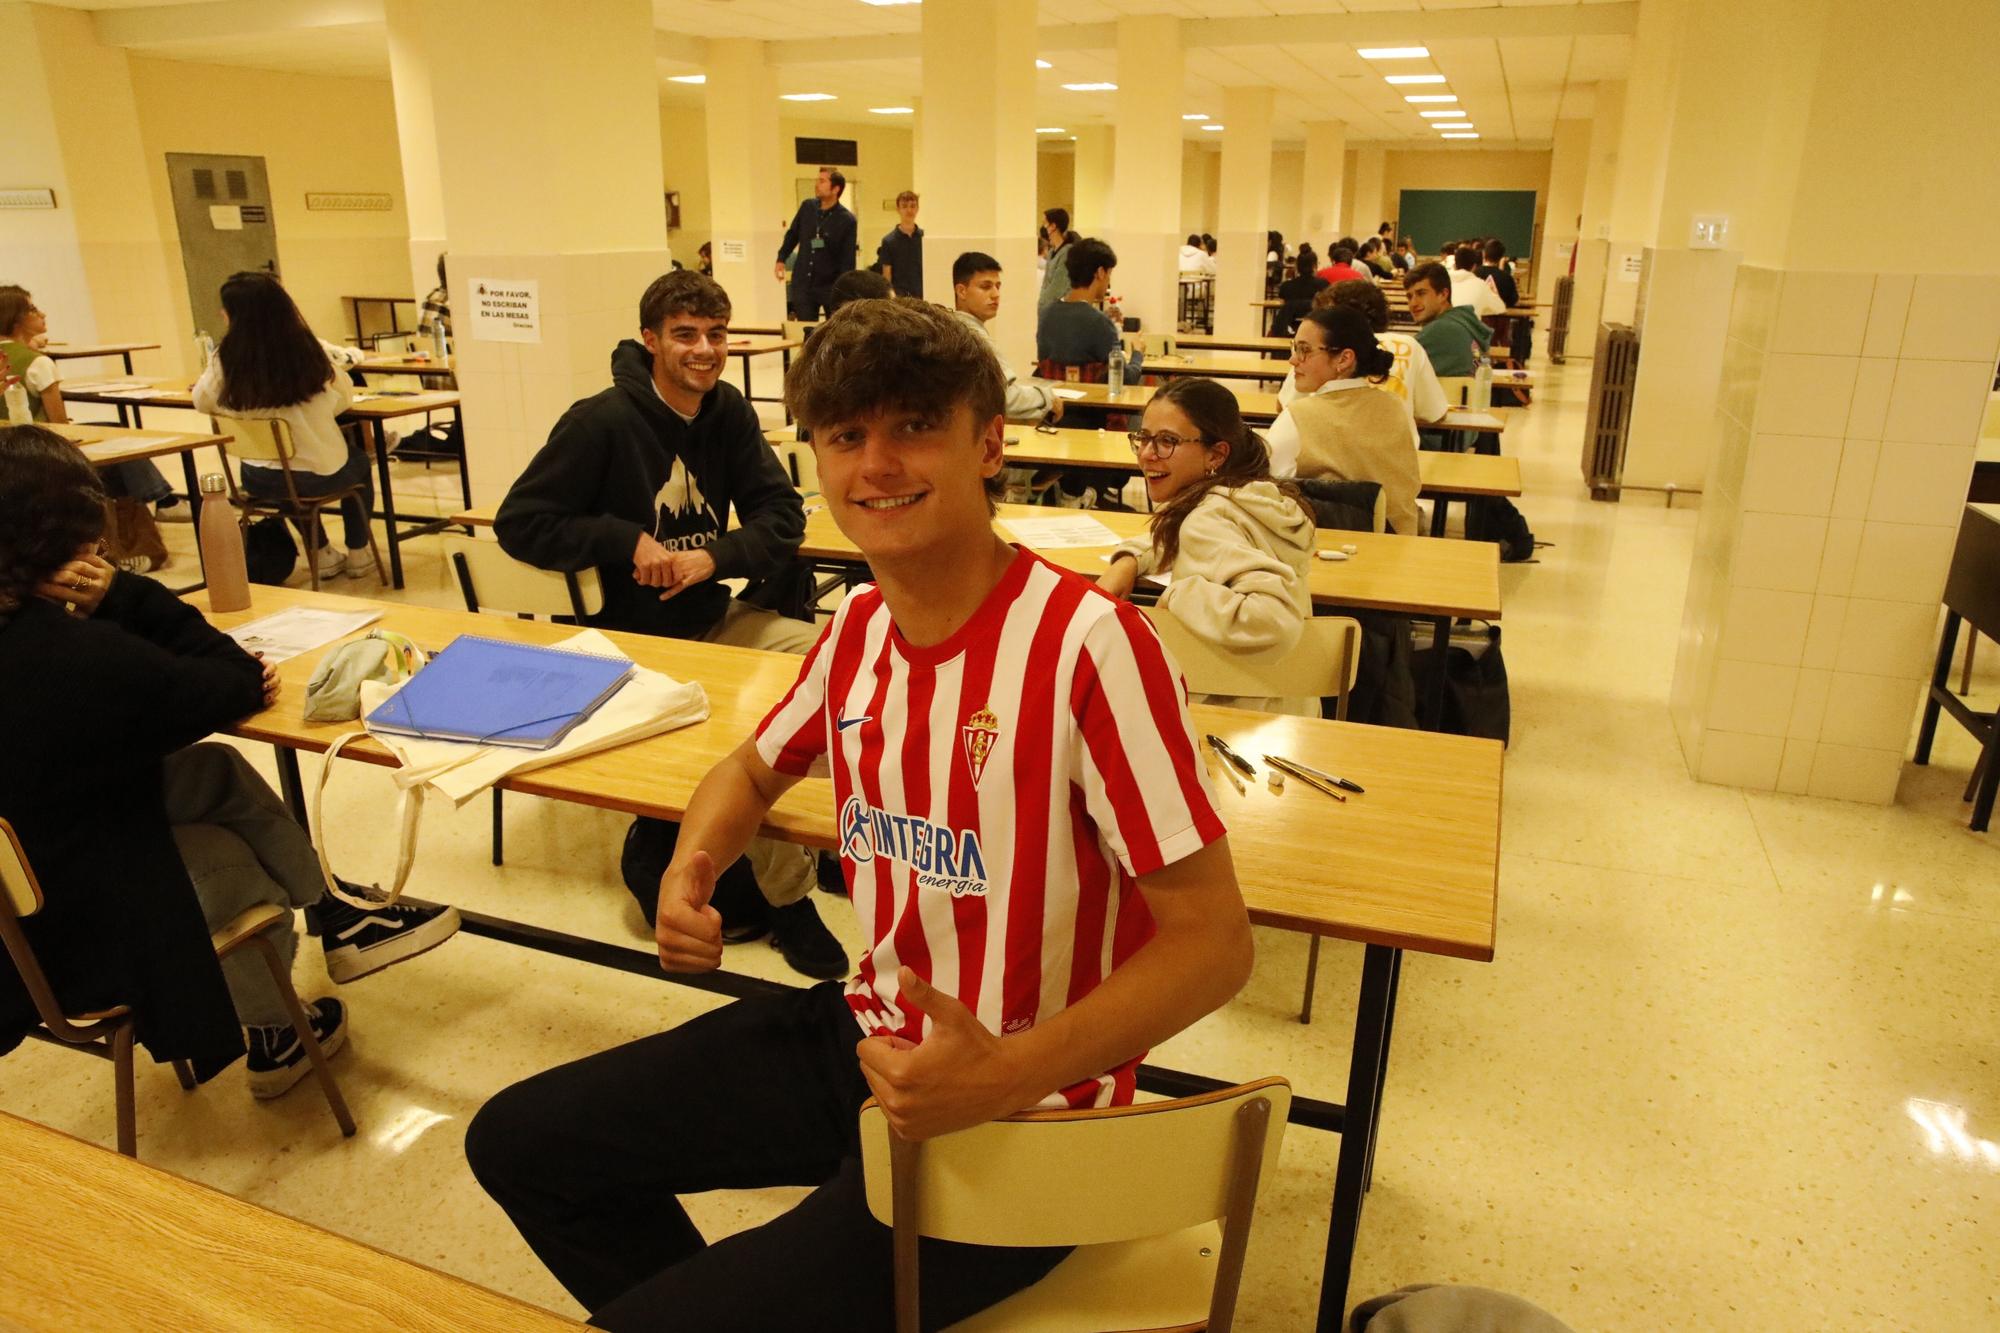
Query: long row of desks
[{"x": 1411, "y": 864}]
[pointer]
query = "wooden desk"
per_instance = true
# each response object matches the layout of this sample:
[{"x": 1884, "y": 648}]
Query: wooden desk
[
  {"x": 424, "y": 367},
  {"x": 106, "y": 446},
  {"x": 1222, "y": 342},
  {"x": 1266, "y": 310},
  {"x": 93, "y": 1240},
  {"x": 1971, "y": 596},
  {"x": 1258, "y": 408},
  {"x": 1454, "y": 476},
  {"x": 1220, "y": 366},
  {"x": 371, "y": 410},
  {"x": 80, "y": 351},
  {"x": 750, "y": 348}
]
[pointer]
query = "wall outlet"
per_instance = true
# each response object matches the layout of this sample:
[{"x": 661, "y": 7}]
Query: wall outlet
[{"x": 1708, "y": 232}]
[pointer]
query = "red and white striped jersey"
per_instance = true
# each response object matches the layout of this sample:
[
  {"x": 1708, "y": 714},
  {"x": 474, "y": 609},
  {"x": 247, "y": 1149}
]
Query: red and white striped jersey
[{"x": 998, "y": 794}]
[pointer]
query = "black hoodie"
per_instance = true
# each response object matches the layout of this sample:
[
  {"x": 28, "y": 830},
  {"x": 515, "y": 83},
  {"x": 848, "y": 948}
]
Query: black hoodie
[{"x": 622, "y": 463}]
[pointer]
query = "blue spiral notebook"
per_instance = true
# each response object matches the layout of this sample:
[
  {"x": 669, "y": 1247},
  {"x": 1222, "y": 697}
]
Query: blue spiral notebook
[{"x": 491, "y": 692}]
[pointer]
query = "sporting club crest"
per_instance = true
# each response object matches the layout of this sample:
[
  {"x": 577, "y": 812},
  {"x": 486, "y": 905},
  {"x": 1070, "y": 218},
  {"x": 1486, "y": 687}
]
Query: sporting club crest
[{"x": 980, "y": 731}]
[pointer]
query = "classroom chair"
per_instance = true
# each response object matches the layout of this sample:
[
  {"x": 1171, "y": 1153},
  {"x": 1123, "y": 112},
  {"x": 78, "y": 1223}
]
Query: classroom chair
[
  {"x": 1322, "y": 664},
  {"x": 491, "y": 580},
  {"x": 1157, "y": 1197},
  {"x": 271, "y": 442},
  {"x": 107, "y": 1033}
]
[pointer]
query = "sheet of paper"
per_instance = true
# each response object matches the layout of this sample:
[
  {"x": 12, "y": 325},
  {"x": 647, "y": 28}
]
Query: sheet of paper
[
  {"x": 118, "y": 444},
  {"x": 299, "y": 630},
  {"x": 1060, "y": 530},
  {"x": 101, "y": 386},
  {"x": 1070, "y": 393}
]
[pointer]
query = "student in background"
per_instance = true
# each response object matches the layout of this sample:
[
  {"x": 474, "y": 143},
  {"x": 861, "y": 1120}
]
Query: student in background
[
  {"x": 1055, "y": 270},
  {"x": 436, "y": 316},
  {"x": 269, "y": 366},
  {"x": 1406, "y": 254},
  {"x": 822, "y": 237},
  {"x": 1073, "y": 331},
  {"x": 144, "y": 838},
  {"x": 1340, "y": 264},
  {"x": 1498, "y": 271},
  {"x": 1448, "y": 332},
  {"x": 1468, "y": 288},
  {"x": 1208, "y": 248},
  {"x": 1412, "y": 378},
  {"x": 863, "y": 284},
  {"x": 975, "y": 293},
  {"x": 900, "y": 256},
  {"x": 704, "y": 261},
  {"x": 1297, "y": 293},
  {"x": 1374, "y": 260},
  {"x": 1339, "y": 426},
  {"x": 1238, "y": 542},
  {"x": 638, "y": 482},
  {"x": 974, "y": 692},
  {"x": 1194, "y": 258},
  {"x": 24, "y": 334}
]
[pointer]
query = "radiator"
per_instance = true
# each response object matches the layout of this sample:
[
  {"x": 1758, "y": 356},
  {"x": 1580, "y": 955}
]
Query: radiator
[
  {"x": 1612, "y": 376},
  {"x": 1559, "y": 321}
]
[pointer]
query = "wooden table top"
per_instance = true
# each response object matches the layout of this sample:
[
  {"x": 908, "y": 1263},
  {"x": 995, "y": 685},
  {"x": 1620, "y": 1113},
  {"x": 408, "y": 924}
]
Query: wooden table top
[
  {"x": 1220, "y": 366},
  {"x": 1414, "y": 863},
  {"x": 368, "y": 404},
  {"x": 106, "y": 445},
  {"x": 1258, "y": 408},
  {"x": 71, "y": 351},
  {"x": 424, "y": 366},
  {"x": 744, "y": 346},
  {"x": 1415, "y": 575},
  {"x": 1229, "y": 342},
  {"x": 1064, "y": 446},
  {"x": 93, "y": 1240}
]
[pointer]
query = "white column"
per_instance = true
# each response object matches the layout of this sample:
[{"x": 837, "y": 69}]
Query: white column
[
  {"x": 1094, "y": 148},
  {"x": 1569, "y": 165},
  {"x": 1652, "y": 86},
  {"x": 535, "y": 191},
  {"x": 748, "y": 210},
  {"x": 979, "y": 144},
  {"x": 1593, "y": 248},
  {"x": 1366, "y": 212},
  {"x": 416, "y": 142},
  {"x": 1146, "y": 177},
  {"x": 1326, "y": 165},
  {"x": 1245, "y": 209}
]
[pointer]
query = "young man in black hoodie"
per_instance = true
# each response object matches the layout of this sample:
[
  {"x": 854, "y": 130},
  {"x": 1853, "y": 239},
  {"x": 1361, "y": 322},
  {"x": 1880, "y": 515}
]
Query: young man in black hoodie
[{"x": 637, "y": 482}]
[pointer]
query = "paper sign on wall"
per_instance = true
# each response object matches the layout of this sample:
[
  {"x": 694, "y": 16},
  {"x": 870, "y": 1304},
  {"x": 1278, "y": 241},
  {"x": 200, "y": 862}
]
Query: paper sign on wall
[
  {"x": 506, "y": 310},
  {"x": 1564, "y": 249},
  {"x": 225, "y": 217},
  {"x": 1628, "y": 271},
  {"x": 733, "y": 251}
]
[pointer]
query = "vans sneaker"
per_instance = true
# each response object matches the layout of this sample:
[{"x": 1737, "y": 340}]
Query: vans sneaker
[
  {"x": 278, "y": 1057},
  {"x": 331, "y": 560},
  {"x": 359, "y": 941},
  {"x": 361, "y": 564}
]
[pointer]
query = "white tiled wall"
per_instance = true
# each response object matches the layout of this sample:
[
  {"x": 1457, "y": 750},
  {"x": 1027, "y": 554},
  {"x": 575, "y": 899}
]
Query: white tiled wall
[
  {"x": 514, "y": 392},
  {"x": 1848, "y": 412}
]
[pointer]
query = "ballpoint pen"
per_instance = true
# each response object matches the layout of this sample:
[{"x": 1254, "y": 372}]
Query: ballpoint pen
[
  {"x": 1227, "y": 771},
  {"x": 1306, "y": 770},
  {"x": 1230, "y": 756},
  {"x": 1312, "y": 779}
]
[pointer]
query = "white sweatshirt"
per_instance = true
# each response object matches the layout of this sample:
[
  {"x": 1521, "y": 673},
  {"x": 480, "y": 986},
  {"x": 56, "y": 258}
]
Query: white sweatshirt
[
  {"x": 1027, "y": 400},
  {"x": 319, "y": 446},
  {"x": 1240, "y": 577}
]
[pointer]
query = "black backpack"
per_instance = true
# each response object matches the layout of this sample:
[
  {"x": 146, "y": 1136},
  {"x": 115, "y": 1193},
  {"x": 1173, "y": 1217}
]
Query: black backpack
[
  {"x": 269, "y": 553},
  {"x": 1493, "y": 518}
]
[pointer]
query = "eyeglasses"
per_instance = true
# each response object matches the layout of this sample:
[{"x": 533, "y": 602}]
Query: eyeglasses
[
  {"x": 1162, "y": 443},
  {"x": 1300, "y": 351}
]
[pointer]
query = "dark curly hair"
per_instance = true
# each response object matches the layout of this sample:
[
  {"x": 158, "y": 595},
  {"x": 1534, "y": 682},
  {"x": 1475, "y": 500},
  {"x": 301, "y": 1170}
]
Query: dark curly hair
[
  {"x": 682, "y": 292},
  {"x": 51, "y": 503}
]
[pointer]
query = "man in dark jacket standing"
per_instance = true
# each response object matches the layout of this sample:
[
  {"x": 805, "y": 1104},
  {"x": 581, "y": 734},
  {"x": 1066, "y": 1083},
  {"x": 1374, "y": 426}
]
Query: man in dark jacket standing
[
  {"x": 637, "y": 482},
  {"x": 823, "y": 234}
]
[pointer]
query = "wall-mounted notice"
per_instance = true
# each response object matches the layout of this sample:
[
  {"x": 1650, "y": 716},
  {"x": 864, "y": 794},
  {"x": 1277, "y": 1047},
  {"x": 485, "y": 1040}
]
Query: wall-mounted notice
[
  {"x": 506, "y": 310},
  {"x": 226, "y": 217},
  {"x": 1628, "y": 271},
  {"x": 734, "y": 252}
]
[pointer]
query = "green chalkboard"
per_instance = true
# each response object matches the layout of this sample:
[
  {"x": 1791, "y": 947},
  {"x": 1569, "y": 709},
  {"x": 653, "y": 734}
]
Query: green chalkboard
[{"x": 1432, "y": 217}]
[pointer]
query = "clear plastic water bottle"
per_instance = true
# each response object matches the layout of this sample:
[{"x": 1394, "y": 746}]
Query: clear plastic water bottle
[
  {"x": 1482, "y": 379},
  {"x": 440, "y": 344},
  {"x": 19, "y": 412},
  {"x": 206, "y": 346},
  {"x": 1114, "y": 372}
]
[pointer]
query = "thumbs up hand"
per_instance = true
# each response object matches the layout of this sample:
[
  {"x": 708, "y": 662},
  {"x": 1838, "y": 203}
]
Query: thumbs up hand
[
  {"x": 688, "y": 930},
  {"x": 959, "y": 1076}
]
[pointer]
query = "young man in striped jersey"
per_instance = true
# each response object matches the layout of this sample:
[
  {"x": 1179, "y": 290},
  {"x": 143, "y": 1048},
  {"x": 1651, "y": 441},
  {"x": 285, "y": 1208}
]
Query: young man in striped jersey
[{"x": 1031, "y": 847}]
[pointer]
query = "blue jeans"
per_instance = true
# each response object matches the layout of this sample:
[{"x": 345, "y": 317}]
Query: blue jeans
[{"x": 268, "y": 483}]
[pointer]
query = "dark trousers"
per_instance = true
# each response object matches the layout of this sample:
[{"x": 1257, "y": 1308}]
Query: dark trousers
[
  {"x": 811, "y": 299},
  {"x": 587, "y": 1159},
  {"x": 268, "y": 483}
]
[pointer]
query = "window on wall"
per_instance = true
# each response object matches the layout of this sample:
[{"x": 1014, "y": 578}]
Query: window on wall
[{"x": 826, "y": 152}]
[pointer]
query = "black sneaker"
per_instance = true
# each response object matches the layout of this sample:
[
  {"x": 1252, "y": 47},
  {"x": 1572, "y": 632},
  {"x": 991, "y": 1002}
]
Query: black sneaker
[
  {"x": 278, "y": 1057},
  {"x": 826, "y": 869},
  {"x": 799, "y": 934},
  {"x": 358, "y": 941},
  {"x": 745, "y": 913}
]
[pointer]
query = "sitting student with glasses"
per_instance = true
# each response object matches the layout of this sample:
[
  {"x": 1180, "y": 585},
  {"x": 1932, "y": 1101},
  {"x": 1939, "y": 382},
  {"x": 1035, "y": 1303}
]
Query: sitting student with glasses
[
  {"x": 1237, "y": 541},
  {"x": 144, "y": 839},
  {"x": 1331, "y": 430}
]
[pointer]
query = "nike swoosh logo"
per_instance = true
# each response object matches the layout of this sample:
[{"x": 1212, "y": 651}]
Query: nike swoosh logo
[{"x": 844, "y": 723}]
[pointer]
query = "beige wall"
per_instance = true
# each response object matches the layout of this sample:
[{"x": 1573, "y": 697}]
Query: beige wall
[
  {"x": 314, "y": 133},
  {"x": 1055, "y": 182},
  {"x": 684, "y": 167},
  {"x": 1481, "y": 170}
]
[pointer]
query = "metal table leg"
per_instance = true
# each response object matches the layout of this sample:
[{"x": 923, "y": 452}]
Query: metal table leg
[
  {"x": 380, "y": 437},
  {"x": 1440, "y": 507},
  {"x": 290, "y": 786},
  {"x": 1357, "y": 1134},
  {"x": 464, "y": 459}
]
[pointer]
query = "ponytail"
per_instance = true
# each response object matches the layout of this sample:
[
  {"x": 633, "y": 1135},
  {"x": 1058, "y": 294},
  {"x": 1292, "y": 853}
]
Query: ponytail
[{"x": 1212, "y": 408}]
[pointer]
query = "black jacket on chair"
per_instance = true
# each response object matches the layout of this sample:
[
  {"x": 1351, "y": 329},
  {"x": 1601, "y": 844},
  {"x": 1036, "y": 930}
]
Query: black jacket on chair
[{"x": 88, "y": 709}]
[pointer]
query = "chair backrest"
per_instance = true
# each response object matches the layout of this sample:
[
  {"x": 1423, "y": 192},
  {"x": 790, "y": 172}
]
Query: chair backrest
[
  {"x": 19, "y": 889},
  {"x": 797, "y": 330},
  {"x": 1093, "y": 372},
  {"x": 1355, "y": 506},
  {"x": 265, "y": 441},
  {"x": 799, "y": 463},
  {"x": 1323, "y": 663},
  {"x": 1089, "y": 1177},
  {"x": 491, "y": 580},
  {"x": 1457, "y": 389}
]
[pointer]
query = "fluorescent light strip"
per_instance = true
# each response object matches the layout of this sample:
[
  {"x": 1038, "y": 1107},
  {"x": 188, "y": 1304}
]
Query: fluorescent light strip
[
  {"x": 1413, "y": 78},
  {"x": 1215, "y": 128},
  {"x": 1043, "y": 64},
  {"x": 885, "y": 3},
  {"x": 1452, "y": 114},
  {"x": 1195, "y": 115},
  {"x": 1458, "y": 136},
  {"x": 687, "y": 78},
  {"x": 1394, "y": 52},
  {"x": 892, "y": 110},
  {"x": 1050, "y": 129},
  {"x": 1431, "y": 97},
  {"x": 805, "y": 97},
  {"x": 1090, "y": 87}
]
